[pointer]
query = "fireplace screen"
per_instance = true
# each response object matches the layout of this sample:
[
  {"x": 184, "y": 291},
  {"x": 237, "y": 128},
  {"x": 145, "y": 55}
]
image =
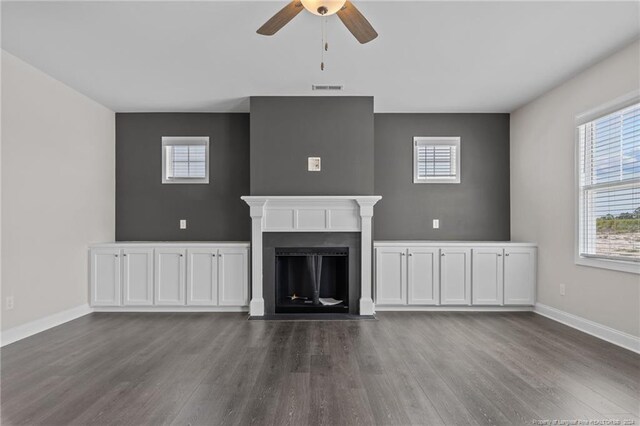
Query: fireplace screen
[{"x": 313, "y": 279}]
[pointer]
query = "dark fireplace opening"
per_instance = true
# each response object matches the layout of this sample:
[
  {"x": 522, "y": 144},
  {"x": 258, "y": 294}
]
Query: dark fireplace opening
[{"x": 312, "y": 279}]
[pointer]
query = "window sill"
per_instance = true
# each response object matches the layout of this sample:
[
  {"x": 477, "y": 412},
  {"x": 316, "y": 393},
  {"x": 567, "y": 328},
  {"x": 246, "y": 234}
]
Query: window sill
[
  {"x": 435, "y": 180},
  {"x": 186, "y": 181},
  {"x": 615, "y": 265}
]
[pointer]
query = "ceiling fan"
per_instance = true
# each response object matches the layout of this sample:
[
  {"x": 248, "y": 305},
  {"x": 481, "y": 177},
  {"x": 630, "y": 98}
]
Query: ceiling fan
[{"x": 350, "y": 16}]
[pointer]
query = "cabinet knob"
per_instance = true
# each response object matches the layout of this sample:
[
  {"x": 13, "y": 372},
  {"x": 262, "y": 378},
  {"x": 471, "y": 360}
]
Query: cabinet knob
[
  {"x": 442, "y": 254},
  {"x": 125, "y": 254},
  {"x": 116, "y": 255},
  {"x": 410, "y": 254},
  {"x": 506, "y": 254},
  {"x": 402, "y": 254},
  {"x": 499, "y": 255}
]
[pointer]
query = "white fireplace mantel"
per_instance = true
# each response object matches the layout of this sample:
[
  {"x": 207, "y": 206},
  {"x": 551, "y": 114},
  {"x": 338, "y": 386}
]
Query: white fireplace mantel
[{"x": 343, "y": 213}]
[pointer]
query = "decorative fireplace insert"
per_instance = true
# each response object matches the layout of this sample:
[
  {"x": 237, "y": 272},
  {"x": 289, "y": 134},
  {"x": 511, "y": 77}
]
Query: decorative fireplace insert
[{"x": 312, "y": 280}]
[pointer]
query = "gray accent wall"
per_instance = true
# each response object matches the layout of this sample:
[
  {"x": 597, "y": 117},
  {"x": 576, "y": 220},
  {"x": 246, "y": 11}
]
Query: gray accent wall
[
  {"x": 478, "y": 208},
  {"x": 266, "y": 154},
  {"x": 285, "y": 131},
  {"x": 147, "y": 210}
]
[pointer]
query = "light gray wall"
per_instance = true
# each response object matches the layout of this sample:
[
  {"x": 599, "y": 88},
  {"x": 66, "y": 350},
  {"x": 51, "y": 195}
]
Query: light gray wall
[
  {"x": 475, "y": 209},
  {"x": 148, "y": 210},
  {"x": 57, "y": 191},
  {"x": 543, "y": 193},
  {"x": 285, "y": 131}
]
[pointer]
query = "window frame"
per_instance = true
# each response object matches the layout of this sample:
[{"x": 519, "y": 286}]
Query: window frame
[
  {"x": 436, "y": 140},
  {"x": 184, "y": 140},
  {"x": 580, "y": 119}
]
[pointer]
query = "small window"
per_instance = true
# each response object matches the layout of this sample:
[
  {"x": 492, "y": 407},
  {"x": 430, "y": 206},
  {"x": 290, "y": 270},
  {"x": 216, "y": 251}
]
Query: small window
[
  {"x": 436, "y": 159},
  {"x": 609, "y": 188},
  {"x": 185, "y": 159}
]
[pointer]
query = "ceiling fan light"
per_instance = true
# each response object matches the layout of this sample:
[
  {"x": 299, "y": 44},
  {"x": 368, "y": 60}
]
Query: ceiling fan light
[{"x": 323, "y": 7}]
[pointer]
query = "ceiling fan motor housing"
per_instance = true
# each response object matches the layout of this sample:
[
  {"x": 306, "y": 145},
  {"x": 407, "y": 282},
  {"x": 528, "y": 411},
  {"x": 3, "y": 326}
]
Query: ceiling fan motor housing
[{"x": 323, "y": 7}]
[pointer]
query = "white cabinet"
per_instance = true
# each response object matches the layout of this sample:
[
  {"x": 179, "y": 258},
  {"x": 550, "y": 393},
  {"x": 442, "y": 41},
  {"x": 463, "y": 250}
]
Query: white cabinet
[
  {"x": 169, "y": 276},
  {"x": 105, "y": 277},
  {"x": 455, "y": 276},
  {"x": 218, "y": 277},
  {"x": 416, "y": 273},
  {"x": 233, "y": 278},
  {"x": 177, "y": 275},
  {"x": 202, "y": 279},
  {"x": 519, "y": 276},
  {"x": 423, "y": 276},
  {"x": 390, "y": 276},
  {"x": 137, "y": 277},
  {"x": 504, "y": 276},
  {"x": 487, "y": 276},
  {"x": 407, "y": 276}
]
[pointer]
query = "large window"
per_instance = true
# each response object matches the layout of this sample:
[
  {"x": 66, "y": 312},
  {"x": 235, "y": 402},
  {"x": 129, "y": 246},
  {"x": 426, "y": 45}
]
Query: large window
[
  {"x": 185, "y": 159},
  {"x": 609, "y": 187},
  {"x": 436, "y": 159}
]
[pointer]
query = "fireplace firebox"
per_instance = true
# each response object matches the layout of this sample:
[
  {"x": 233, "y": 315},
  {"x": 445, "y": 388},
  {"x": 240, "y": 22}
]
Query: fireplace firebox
[{"x": 312, "y": 280}]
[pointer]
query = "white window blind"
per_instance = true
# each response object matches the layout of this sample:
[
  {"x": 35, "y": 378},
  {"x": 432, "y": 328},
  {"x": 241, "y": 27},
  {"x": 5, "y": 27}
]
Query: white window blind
[
  {"x": 185, "y": 159},
  {"x": 609, "y": 186},
  {"x": 436, "y": 160}
]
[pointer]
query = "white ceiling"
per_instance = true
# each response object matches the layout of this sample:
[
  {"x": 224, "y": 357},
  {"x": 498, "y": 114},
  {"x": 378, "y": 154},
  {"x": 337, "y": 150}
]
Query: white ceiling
[{"x": 206, "y": 56}]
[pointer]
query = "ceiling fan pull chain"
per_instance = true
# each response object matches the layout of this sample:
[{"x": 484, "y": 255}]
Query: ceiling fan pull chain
[
  {"x": 322, "y": 46},
  {"x": 326, "y": 38}
]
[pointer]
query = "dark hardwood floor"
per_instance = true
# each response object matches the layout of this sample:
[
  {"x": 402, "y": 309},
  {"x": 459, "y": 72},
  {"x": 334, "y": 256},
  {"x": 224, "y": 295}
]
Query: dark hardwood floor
[{"x": 406, "y": 368}]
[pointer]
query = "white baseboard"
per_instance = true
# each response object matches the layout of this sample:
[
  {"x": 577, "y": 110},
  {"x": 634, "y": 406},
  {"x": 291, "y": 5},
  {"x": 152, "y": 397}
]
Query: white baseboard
[
  {"x": 620, "y": 338},
  {"x": 29, "y": 329},
  {"x": 170, "y": 309},
  {"x": 449, "y": 308}
]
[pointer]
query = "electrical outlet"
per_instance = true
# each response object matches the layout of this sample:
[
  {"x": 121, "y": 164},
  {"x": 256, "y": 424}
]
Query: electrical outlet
[
  {"x": 183, "y": 224},
  {"x": 562, "y": 290},
  {"x": 10, "y": 302},
  {"x": 436, "y": 223}
]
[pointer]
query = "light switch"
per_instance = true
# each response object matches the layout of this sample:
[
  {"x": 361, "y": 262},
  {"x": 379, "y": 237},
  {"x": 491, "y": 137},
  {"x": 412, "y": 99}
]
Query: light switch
[
  {"x": 314, "y": 164},
  {"x": 183, "y": 224},
  {"x": 436, "y": 223}
]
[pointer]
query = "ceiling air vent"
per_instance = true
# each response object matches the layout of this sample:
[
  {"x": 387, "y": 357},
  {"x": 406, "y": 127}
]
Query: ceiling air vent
[{"x": 327, "y": 86}]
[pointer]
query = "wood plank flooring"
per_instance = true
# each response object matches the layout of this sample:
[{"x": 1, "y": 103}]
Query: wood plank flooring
[{"x": 406, "y": 368}]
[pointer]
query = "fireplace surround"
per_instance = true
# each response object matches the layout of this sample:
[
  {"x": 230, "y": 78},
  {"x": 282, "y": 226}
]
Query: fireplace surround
[{"x": 310, "y": 214}]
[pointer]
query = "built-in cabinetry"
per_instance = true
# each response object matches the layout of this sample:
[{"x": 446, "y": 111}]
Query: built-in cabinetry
[
  {"x": 169, "y": 275},
  {"x": 454, "y": 274}
]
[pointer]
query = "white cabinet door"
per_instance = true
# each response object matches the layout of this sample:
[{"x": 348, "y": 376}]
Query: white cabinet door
[
  {"x": 487, "y": 276},
  {"x": 105, "y": 277},
  {"x": 519, "y": 276},
  {"x": 233, "y": 273},
  {"x": 137, "y": 276},
  {"x": 391, "y": 271},
  {"x": 455, "y": 276},
  {"x": 202, "y": 277},
  {"x": 169, "y": 276},
  {"x": 423, "y": 276}
]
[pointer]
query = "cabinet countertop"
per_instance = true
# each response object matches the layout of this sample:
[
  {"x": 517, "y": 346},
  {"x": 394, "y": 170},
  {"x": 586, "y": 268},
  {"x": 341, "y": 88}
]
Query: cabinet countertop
[
  {"x": 171, "y": 244},
  {"x": 438, "y": 243}
]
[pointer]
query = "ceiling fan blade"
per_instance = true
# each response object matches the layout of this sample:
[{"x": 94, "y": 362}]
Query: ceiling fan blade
[
  {"x": 356, "y": 23},
  {"x": 281, "y": 18}
]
